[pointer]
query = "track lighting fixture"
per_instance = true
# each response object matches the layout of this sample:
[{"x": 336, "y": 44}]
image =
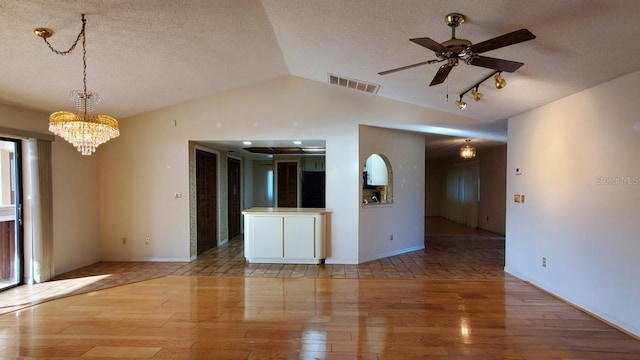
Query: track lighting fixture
[
  {"x": 500, "y": 82},
  {"x": 476, "y": 94},
  {"x": 474, "y": 89}
]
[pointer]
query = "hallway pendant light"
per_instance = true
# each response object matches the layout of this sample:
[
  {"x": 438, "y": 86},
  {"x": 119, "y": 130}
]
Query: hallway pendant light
[
  {"x": 467, "y": 151},
  {"x": 84, "y": 129}
]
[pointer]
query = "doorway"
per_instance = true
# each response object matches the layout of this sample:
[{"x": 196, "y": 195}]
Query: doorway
[
  {"x": 234, "y": 198},
  {"x": 11, "y": 253},
  {"x": 206, "y": 200}
]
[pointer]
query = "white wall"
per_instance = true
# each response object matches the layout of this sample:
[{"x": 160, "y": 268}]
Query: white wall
[
  {"x": 404, "y": 217},
  {"x": 140, "y": 171},
  {"x": 75, "y": 193},
  {"x": 580, "y": 177}
]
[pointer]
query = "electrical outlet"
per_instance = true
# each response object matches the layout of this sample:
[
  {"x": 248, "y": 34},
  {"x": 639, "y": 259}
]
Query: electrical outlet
[
  {"x": 124, "y": 241},
  {"x": 544, "y": 262},
  {"x": 147, "y": 241}
]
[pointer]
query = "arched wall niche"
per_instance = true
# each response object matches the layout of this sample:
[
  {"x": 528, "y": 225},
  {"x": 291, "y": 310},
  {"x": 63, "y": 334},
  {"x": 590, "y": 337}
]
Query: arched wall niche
[{"x": 377, "y": 180}]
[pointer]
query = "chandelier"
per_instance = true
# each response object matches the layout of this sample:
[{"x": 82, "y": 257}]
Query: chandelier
[
  {"x": 84, "y": 129},
  {"x": 467, "y": 151}
]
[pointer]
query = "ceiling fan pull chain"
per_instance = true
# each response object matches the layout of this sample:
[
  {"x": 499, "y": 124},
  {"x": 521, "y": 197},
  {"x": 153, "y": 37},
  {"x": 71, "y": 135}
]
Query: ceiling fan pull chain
[{"x": 446, "y": 98}]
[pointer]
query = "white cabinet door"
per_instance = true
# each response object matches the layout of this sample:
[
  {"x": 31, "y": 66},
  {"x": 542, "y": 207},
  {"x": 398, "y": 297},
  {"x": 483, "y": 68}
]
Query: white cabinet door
[
  {"x": 267, "y": 236},
  {"x": 299, "y": 237}
]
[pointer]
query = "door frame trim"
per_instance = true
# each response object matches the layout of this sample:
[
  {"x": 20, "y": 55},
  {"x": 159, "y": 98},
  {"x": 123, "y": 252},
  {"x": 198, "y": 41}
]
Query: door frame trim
[
  {"x": 241, "y": 190},
  {"x": 18, "y": 179}
]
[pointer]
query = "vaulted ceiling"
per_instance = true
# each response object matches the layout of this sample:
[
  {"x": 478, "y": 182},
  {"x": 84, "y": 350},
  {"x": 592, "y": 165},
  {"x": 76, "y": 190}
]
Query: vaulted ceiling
[{"x": 147, "y": 54}]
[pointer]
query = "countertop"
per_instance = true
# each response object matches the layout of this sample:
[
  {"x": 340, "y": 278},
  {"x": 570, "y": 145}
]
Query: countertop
[{"x": 284, "y": 211}]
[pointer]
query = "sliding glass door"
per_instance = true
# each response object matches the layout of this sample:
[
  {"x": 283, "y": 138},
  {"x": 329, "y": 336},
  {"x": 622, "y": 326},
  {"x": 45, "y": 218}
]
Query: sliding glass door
[{"x": 11, "y": 254}]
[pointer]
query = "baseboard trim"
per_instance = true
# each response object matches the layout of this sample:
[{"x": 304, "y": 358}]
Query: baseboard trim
[
  {"x": 392, "y": 253},
  {"x": 584, "y": 309}
]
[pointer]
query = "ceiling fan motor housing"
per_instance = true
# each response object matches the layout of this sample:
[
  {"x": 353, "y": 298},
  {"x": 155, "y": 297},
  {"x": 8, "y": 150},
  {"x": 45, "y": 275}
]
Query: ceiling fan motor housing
[{"x": 457, "y": 46}]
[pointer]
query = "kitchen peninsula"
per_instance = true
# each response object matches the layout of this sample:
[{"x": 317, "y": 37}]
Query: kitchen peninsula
[{"x": 285, "y": 235}]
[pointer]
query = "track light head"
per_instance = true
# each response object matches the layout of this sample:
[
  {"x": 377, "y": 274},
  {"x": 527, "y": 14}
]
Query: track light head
[
  {"x": 476, "y": 94},
  {"x": 500, "y": 82},
  {"x": 461, "y": 104}
]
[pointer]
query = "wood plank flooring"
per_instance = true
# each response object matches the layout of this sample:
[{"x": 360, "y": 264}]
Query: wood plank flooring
[
  {"x": 451, "y": 301},
  {"x": 206, "y": 317}
]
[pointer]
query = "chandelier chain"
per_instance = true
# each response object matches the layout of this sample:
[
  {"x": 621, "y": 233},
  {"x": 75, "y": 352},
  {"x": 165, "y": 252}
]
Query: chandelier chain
[
  {"x": 75, "y": 43},
  {"x": 84, "y": 66}
]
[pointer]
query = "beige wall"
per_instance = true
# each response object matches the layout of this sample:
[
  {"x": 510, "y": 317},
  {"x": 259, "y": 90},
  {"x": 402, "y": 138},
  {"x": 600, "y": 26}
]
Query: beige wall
[
  {"x": 140, "y": 171},
  {"x": 435, "y": 187},
  {"x": 404, "y": 217},
  {"x": 75, "y": 194},
  {"x": 492, "y": 211}
]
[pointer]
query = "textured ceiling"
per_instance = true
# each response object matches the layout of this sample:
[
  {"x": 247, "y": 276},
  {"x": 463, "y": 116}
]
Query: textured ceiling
[{"x": 148, "y": 54}]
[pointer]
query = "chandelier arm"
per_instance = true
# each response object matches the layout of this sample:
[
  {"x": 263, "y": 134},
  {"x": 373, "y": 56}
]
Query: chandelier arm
[{"x": 81, "y": 34}]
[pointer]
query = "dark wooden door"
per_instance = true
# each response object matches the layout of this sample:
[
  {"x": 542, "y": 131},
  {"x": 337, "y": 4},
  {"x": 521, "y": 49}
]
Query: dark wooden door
[
  {"x": 206, "y": 200},
  {"x": 233, "y": 191},
  {"x": 287, "y": 184}
]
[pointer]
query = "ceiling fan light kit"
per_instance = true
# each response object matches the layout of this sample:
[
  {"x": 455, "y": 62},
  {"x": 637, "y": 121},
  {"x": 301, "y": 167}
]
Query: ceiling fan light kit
[{"x": 455, "y": 50}]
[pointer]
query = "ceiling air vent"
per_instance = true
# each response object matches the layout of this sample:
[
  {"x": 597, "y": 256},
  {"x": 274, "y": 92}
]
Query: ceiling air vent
[{"x": 353, "y": 84}]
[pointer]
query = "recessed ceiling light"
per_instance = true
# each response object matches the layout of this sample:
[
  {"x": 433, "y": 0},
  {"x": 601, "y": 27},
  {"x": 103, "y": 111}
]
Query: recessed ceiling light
[
  {"x": 297, "y": 142},
  {"x": 246, "y": 142}
]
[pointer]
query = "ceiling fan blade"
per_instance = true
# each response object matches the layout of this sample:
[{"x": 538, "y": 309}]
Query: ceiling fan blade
[
  {"x": 511, "y": 38},
  {"x": 495, "y": 64},
  {"x": 405, "y": 67},
  {"x": 430, "y": 44},
  {"x": 442, "y": 74}
]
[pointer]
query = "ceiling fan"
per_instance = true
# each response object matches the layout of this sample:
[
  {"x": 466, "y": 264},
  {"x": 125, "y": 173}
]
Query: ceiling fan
[{"x": 454, "y": 50}]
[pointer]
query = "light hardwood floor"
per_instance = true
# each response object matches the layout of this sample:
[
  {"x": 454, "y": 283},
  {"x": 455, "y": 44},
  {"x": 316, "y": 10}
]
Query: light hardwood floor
[{"x": 450, "y": 301}]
